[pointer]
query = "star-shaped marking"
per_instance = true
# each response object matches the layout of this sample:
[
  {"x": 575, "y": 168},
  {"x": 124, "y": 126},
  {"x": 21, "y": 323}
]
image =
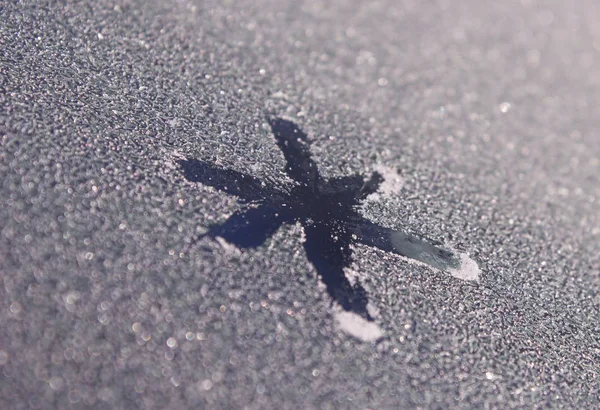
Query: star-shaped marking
[{"x": 326, "y": 209}]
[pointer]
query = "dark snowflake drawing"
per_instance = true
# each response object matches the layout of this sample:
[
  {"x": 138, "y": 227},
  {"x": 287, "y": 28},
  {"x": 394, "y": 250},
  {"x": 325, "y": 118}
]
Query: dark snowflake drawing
[{"x": 326, "y": 209}]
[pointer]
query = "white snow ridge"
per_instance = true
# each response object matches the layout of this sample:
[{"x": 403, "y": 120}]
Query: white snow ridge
[
  {"x": 354, "y": 325},
  {"x": 468, "y": 270}
]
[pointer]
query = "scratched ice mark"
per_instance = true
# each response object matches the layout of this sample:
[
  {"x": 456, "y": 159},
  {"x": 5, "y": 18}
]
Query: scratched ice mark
[{"x": 328, "y": 213}]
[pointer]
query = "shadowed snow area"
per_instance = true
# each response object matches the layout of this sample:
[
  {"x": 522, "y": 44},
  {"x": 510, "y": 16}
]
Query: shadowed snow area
[{"x": 327, "y": 210}]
